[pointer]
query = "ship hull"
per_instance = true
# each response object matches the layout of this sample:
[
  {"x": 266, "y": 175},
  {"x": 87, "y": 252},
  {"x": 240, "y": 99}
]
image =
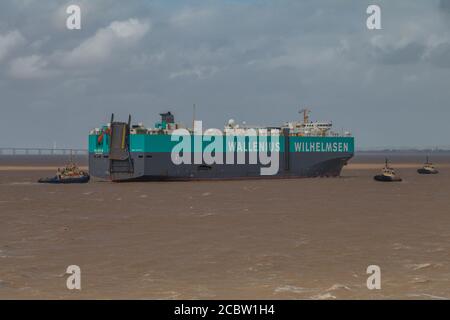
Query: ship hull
[
  {"x": 159, "y": 158},
  {"x": 158, "y": 166}
]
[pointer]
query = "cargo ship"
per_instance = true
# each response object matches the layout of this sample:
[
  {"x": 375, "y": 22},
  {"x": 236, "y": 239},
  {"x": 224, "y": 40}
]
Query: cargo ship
[{"x": 122, "y": 151}]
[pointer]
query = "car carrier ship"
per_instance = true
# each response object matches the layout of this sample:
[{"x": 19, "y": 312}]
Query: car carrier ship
[{"x": 122, "y": 151}]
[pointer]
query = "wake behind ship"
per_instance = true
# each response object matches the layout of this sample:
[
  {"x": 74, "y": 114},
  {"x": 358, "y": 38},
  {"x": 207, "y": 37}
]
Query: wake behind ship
[{"x": 120, "y": 151}]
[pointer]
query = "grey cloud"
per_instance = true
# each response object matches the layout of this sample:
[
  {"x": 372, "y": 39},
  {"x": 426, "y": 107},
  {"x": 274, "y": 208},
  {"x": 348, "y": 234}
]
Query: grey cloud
[
  {"x": 408, "y": 53},
  {"x": 9, "y": 42},
  {"x": 30, "y": 67},
  {"x": 250, "y": 60},
  {"x": 444, "y": 5},
  {"x": 440, "y": 55}
]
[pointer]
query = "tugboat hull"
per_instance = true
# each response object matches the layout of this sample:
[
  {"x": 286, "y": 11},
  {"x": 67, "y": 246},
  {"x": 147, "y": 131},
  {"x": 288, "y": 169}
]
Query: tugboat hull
[
  {"x": 424, "y": 171},
  {"x": 56, "y": 180},
  {"x": 384, "y": 178}
]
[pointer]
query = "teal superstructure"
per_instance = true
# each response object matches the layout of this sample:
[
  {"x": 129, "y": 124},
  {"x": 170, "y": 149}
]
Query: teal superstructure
[{"x": 163, "y": 143}]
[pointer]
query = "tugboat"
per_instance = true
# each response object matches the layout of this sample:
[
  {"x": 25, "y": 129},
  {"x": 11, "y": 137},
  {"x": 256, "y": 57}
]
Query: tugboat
[
  {"x": 69, "y": 174},
  {"x": 428, "y": 168},
  {"x": 387, "y": 174}
]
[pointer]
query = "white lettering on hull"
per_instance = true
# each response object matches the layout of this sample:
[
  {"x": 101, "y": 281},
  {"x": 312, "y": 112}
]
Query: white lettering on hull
[{"x": 321, "y": 147}]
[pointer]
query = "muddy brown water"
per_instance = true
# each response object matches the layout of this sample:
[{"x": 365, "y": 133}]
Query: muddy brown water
[{"x": 267, "y": 239}]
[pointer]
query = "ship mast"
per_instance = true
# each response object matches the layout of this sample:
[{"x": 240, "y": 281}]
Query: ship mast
[{"x": 305, "y": 115}]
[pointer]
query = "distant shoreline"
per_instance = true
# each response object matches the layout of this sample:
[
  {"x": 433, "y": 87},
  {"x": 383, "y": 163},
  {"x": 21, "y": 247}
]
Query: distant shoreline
[
  {"x": 373, "y": 166},
  {"x": 350, "y": 166},
  {"x": 33, "y": 168},
  {"x": 363, "y": 160},
  {"x": 429, "y": 151}
]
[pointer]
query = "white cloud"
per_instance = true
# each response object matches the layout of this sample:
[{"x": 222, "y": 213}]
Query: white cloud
[
  {"x": 9, "y": 42},
  {"x": 99, "y": 48},
  {"x": 106, "y": 42},
  {"x": 30, "y": 67}
]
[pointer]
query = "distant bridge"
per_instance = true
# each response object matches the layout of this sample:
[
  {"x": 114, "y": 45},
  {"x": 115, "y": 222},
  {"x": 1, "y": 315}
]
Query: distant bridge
[{"x": 42, "y": 151}]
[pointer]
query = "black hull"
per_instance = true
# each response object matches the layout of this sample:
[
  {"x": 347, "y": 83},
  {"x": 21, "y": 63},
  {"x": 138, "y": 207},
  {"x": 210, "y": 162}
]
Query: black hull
[
  {"x": 383, "y": 178},
  {"x": 424, "y": 171},
  {"x": 56, "y": 180}
]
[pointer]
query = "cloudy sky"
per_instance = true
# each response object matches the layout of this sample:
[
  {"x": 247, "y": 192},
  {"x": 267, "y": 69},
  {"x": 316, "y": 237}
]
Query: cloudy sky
[{"x": 257, "y": 61}]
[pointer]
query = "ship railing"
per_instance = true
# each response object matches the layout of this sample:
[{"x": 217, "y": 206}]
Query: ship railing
[{"x": 331, "y": 134}]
